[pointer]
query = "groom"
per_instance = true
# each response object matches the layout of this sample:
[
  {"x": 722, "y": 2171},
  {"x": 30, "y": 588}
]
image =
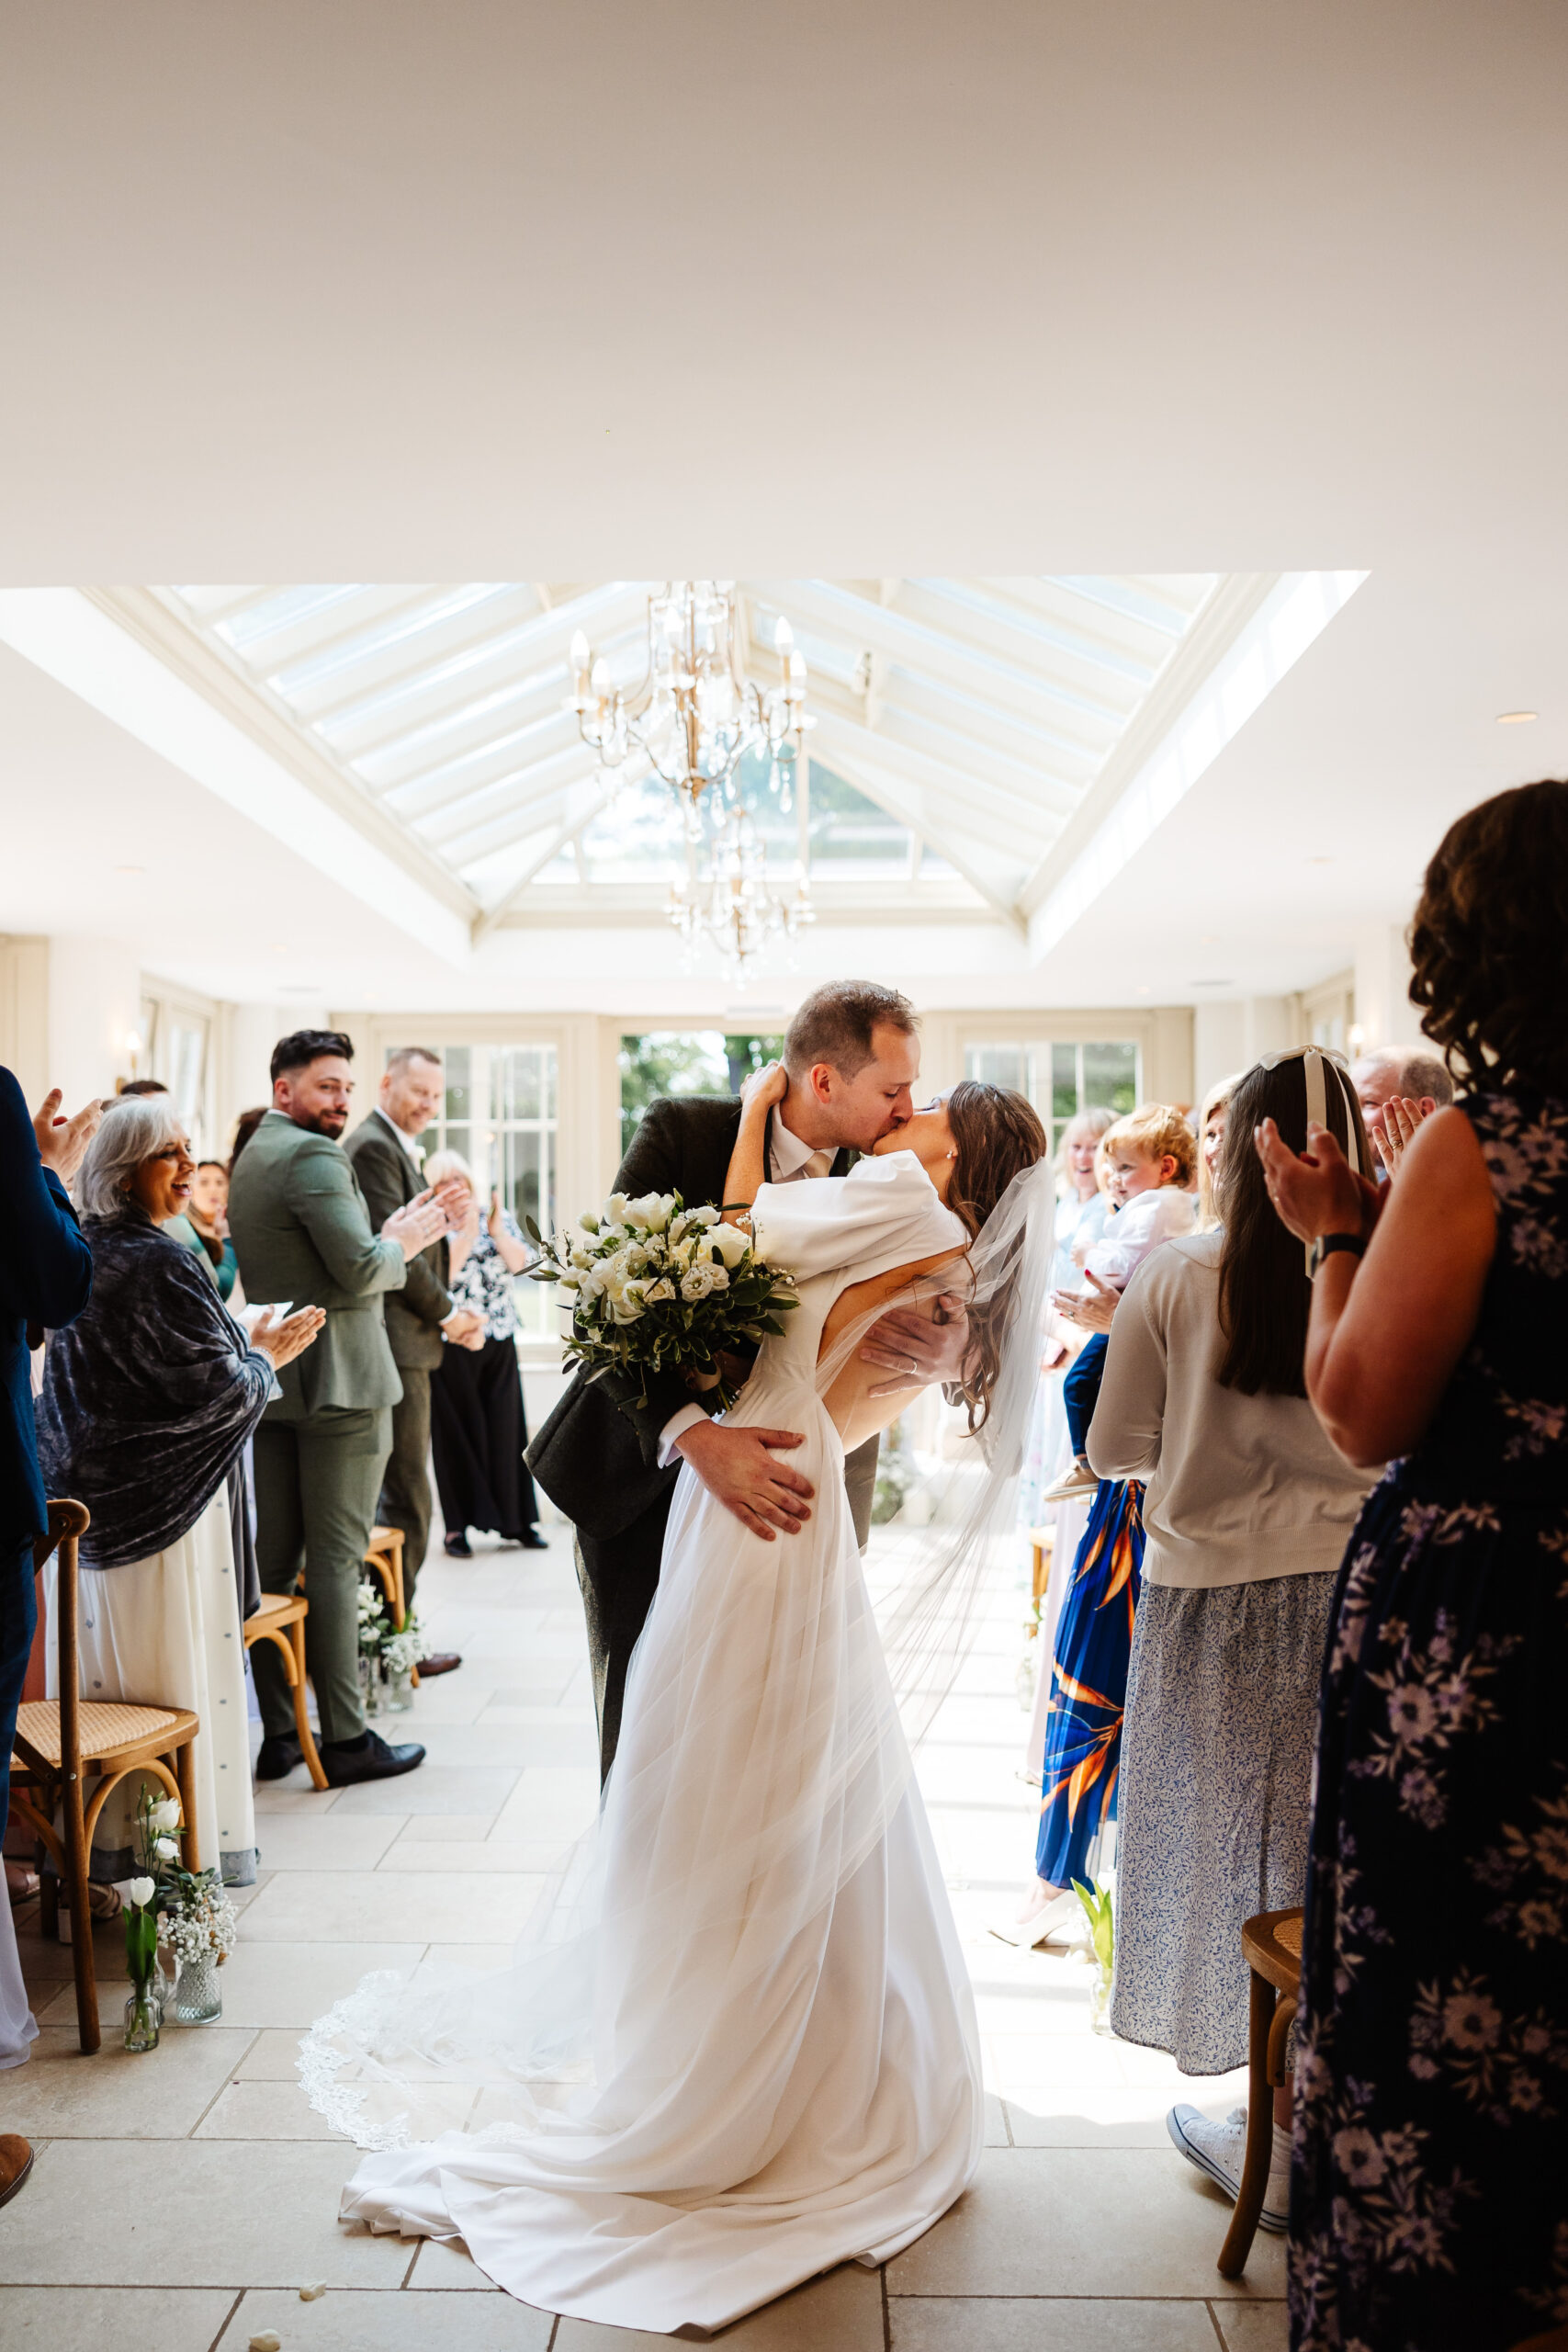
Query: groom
[{"x": 851, "y": 1056}]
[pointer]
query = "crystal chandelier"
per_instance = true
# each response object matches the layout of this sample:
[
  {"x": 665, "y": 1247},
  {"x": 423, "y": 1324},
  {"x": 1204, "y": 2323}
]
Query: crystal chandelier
[
  {"x": 732, "y": 905},
  {"x": 695, "y": 714}
]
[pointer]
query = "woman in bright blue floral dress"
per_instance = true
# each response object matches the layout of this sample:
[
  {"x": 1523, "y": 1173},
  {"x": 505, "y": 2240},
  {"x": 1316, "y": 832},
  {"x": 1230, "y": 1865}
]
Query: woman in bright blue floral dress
[{"x": 1431, "y": 2183}]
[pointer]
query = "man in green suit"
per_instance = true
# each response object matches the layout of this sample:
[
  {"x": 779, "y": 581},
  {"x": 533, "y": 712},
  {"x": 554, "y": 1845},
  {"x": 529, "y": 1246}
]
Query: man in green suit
[
  {"x": 303, "y": 1234},
  {"x": 420, "y": 1318}
]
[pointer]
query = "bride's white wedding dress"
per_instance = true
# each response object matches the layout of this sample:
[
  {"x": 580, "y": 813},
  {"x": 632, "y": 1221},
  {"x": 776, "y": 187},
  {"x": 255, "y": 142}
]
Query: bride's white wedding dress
[{"x": 741, "y": 2048}]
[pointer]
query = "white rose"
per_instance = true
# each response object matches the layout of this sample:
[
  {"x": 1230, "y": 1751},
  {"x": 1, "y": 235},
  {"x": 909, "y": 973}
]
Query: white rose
[
  {"x": 697, "y": 1282},
  {"x": 614, "y": 1211},
  {"x": 662, "y": 1288},
  {"x": 141, "y": 1891},
  {"x": 165, "y": 1849},
  {"x": 568, "y": 1282},
  {"x": 730, "y": 1243},
  {"x": 683, "y": 1251},
  {"x": 165, "y": 1816},
  {"x": 705, "y": 1216}
]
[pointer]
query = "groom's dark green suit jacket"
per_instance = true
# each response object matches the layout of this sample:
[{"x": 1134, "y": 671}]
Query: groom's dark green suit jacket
[{"x": 597, "y": 1455}]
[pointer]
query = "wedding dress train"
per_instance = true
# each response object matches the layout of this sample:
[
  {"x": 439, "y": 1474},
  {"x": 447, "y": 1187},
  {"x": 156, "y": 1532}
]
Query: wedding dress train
[{"x": 740, "y": 2046}]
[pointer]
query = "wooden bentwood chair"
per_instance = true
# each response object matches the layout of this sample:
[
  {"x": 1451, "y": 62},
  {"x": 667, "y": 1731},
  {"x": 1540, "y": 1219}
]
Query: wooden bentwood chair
[
  {"x": 1273, "y": 1944},
  {"x": 384, "y": 1559},
  {"x": 60, "y": 1740},
  {"x": 281, "y": 1620}
]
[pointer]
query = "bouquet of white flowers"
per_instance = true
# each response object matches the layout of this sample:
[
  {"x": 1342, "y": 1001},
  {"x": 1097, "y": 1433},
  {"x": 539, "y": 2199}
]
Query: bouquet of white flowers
[{"x": 656, "y": 1286}]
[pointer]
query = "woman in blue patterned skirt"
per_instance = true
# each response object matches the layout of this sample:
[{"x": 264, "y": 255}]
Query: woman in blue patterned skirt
[{"x": 1431, "y": 2147}]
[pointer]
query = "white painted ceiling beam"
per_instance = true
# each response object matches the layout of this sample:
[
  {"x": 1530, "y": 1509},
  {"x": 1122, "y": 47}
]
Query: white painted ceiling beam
[
  {"x": 584, "y": 801},
  {"x": 1034, "y": 688},
  {"x": 76, "y": 642},
  {"x": 1290, "y": 618},
  {"x": 501, "y": 801},
  {"x": 1018, "y": 806},
  {"x": 990, "y": 872}
]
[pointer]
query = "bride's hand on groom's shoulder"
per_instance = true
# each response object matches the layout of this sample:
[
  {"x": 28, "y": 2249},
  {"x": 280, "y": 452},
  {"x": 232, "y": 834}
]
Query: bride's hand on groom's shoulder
[
  {"x": 917, "y": 1351},
  {"x": 766, "y": 1088}
]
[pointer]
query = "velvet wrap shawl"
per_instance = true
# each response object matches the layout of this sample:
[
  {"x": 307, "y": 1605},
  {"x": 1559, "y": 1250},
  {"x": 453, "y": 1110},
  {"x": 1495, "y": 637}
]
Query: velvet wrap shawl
[{"x": 150, "y": 1396}]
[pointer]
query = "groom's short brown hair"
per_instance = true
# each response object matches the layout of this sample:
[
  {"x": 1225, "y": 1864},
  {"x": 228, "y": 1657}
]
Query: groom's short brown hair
[{"x": 836, "y": 1022}]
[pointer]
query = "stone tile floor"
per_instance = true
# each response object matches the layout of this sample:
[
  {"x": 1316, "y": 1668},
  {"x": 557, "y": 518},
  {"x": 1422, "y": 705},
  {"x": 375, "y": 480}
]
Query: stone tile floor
[{"x": 184, "y": 2198}]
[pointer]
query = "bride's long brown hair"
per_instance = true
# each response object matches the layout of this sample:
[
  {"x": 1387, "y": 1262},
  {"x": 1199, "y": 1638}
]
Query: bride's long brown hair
[{"x": 997, "y": 1134}]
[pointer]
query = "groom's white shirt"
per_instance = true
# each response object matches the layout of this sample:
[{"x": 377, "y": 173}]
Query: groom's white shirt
[{"x": 790, "y": 1162}]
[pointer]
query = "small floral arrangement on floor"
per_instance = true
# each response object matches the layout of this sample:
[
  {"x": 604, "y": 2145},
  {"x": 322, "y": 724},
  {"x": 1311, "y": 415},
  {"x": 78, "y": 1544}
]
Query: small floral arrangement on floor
[
  {"x": 397, "y": 1648},
  {"x": 656, "y": 1286},
  {"x": 194, "y": 1914}
]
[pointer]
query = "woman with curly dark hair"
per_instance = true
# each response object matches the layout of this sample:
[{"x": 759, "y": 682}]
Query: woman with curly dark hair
[{"x": 1431, "y": 2148}]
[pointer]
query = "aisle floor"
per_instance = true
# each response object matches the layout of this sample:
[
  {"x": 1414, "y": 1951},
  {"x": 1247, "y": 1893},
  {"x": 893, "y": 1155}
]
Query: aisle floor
[{"x": 184, "y": 2198}]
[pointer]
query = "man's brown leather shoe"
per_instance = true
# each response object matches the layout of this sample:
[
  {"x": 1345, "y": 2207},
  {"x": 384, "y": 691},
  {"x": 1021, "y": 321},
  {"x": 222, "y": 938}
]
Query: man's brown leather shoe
[
  {"x": 444, "y": 1662},
  {"x": 15, "y": 2163}
]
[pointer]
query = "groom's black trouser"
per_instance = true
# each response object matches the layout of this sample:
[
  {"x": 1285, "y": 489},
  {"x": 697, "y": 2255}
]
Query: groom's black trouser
[{"x": 619, "y": 1574}]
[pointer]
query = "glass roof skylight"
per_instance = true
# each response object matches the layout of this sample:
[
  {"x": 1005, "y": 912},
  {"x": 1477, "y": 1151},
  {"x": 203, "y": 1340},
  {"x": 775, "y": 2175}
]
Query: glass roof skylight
[{"x": 959, "y": 722}]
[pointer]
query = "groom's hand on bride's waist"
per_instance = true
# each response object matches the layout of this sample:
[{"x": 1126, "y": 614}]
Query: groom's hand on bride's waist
[{"x": 739, "y": 1468}]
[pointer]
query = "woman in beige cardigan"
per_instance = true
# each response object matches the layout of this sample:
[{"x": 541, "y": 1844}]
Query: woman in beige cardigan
[{"x": 1247, "y": 1509}]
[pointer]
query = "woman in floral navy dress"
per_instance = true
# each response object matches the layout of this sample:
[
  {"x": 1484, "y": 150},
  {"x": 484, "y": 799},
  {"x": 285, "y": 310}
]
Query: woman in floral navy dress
[{"x": 1430, "y": 2181}]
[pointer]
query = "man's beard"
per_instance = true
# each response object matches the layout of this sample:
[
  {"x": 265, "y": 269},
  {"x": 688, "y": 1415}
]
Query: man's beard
[{"x": 330, "y": 1124}]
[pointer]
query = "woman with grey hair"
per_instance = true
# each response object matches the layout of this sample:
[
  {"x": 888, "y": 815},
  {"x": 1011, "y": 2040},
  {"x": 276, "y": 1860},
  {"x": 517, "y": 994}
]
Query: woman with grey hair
[{"x": 147, "y": 1402}]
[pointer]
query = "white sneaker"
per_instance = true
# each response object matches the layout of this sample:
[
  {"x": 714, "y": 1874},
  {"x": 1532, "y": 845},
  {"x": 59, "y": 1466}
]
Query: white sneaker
[
  {"x": 1219, "y": 2150},
  {"x": 1055, "y": 1924},
  {"x": 1076, "y": 1480}
]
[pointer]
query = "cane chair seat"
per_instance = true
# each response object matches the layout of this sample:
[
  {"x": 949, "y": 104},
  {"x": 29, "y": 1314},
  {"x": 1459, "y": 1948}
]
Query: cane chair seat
[
  {"x": 112, "y": 1734},
  {"x": 60, "y": 1743},
  {"x": 1272, "y": 1944}
]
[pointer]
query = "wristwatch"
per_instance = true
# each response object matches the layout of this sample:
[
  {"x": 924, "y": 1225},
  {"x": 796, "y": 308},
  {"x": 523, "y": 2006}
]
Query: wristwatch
[{"x": 1327, "y": 1243}]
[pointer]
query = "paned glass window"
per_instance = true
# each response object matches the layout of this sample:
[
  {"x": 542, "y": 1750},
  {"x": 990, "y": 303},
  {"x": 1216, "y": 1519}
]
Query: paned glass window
[
  {"x": 1062, "y": 1080},
  {"x": 500, "y": 1109}
]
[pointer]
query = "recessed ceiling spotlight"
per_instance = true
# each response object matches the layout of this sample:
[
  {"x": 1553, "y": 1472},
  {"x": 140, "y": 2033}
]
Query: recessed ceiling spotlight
[{"x": 1517, "y": 718}]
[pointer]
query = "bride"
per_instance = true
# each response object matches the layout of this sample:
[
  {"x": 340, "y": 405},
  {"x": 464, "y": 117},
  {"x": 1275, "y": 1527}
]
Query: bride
[{"x": 737, "y": 2045}]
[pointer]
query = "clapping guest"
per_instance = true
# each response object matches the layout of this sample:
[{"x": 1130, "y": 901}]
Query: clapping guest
[
  {"x": 209, "y": 1215},
  {"x": 1150, "y": 1158},
  {"x": 423, "y": 1318},
  {"x": 1247, "y": 1509},
  {"x": 1426, "y": 2199},
  {"x": 147, "y": 1402},
  {"x": 1212, "y": 1119},
  {"x": 1399, "y": 1085},
  {"x": 46, "y": 1275},
  {"x": 477, "y": 1429},
  {"x": 304, "y": 1233}
]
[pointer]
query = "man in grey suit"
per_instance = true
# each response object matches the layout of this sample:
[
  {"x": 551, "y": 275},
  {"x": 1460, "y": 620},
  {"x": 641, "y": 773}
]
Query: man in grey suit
[
  {"x": 302, "y": 1233},
  {"x": 853, "y": 1056},
  {"x": 420, "y": 1318}
]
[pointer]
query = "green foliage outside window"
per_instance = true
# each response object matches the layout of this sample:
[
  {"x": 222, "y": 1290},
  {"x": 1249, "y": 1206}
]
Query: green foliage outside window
[{"x": 687, "y": 1061}]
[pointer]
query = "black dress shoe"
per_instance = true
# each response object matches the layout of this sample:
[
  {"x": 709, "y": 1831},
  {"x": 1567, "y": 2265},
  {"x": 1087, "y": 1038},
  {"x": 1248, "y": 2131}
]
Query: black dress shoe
[
  {"x": 346, "y": 1762},
  {"x": 442, "y": 1662},
  {"x": 457, "y": 1547},
  {"x": 276, "y": 1757},
  {"x": 531, "y": 1541}
]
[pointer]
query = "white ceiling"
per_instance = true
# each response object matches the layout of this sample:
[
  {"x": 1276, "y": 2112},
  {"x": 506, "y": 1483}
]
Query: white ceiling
[{"x": 1032, "y": 291}]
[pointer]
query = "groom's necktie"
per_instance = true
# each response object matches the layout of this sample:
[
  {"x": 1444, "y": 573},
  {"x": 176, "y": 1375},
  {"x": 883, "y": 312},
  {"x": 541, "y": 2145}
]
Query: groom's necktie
[{"x": 819, "y": 1164}]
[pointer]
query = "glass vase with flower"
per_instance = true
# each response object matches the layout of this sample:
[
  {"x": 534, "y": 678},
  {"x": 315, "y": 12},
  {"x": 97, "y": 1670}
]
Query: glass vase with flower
[
  {"x": 195, "y": 1922},
  {"x": 1096, "y": 1901}
]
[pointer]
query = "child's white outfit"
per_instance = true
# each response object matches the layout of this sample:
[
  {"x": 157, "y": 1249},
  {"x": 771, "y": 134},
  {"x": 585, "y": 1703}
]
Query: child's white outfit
[{"x": 1149, "y": 1218}]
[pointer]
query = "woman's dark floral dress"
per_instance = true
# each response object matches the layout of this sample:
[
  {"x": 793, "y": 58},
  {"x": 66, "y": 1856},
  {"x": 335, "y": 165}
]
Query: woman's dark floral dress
[{"x": 1429, "y": 2196}]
